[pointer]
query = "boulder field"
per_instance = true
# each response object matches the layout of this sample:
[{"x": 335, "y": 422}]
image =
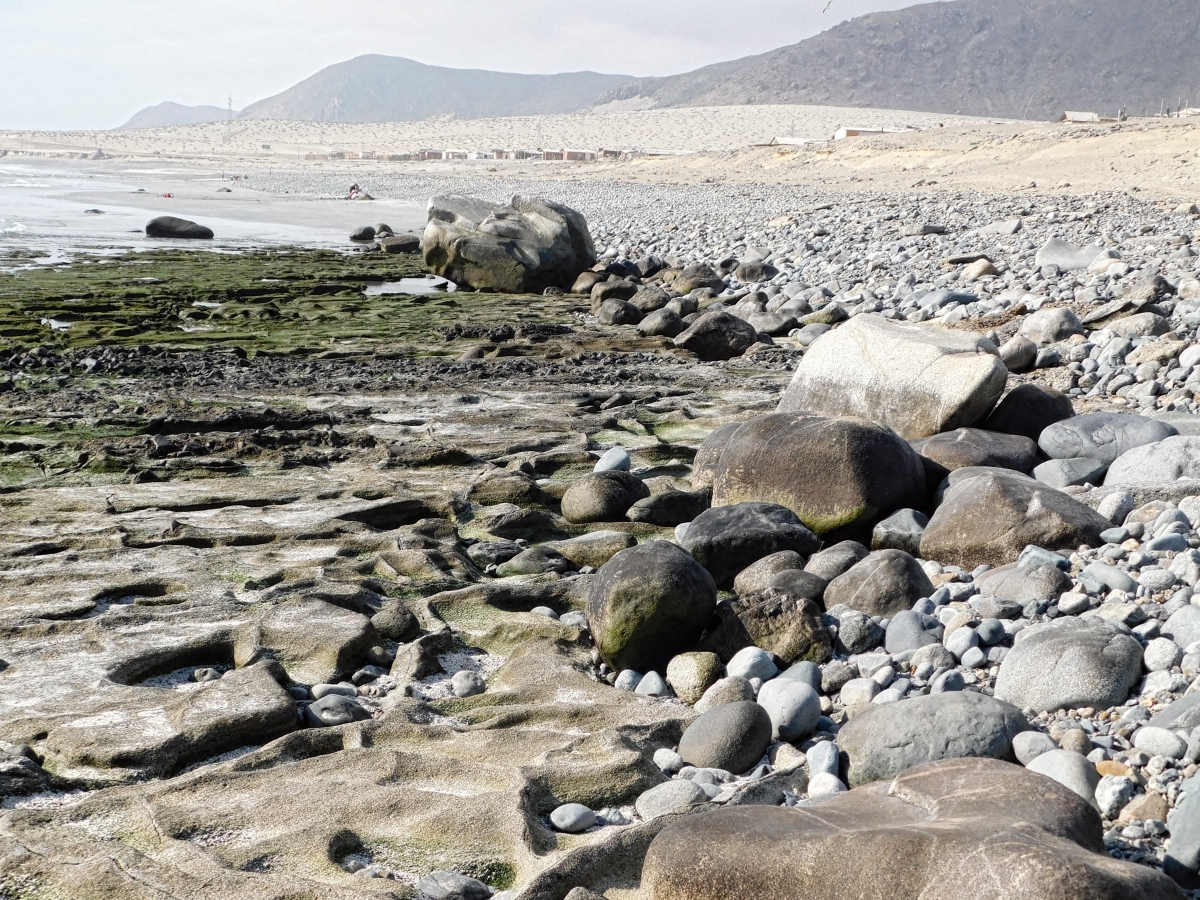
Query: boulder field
[{"x": 692, "y": 579}]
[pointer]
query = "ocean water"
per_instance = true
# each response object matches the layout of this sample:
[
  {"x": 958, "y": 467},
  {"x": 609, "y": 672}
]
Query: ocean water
[{"x": 64, "y": 209}]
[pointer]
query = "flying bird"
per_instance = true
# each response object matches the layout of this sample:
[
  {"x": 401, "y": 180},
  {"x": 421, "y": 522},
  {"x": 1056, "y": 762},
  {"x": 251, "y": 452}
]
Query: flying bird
[{"x": 826, "y": 9}]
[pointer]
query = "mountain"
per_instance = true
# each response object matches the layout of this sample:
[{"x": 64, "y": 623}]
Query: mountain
[
  {"x": 979, "y": 57},
  {"x": 166, "y": 114},
  {"x": 394, "y": 89}
]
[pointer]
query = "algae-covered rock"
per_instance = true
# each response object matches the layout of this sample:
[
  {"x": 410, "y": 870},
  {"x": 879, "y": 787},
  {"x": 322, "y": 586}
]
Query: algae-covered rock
[{"x": 647, "y": 604}]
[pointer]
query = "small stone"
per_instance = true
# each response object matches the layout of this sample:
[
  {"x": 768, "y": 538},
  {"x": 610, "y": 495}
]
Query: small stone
[
  {"x": 615, "y": 460},
  {"x": 467, "y": 684},
  {"x": 1070, "y": 770},
  {"x": 652, "y": 685},
  {"x": 825, "y": 785},
  {"x": 823, "y": 757},
  {"x": 1113, "y": 793},
  {"x": 573, "y": 818},
  {"x": 1161, "y": 654},
  {"x": 1028, "y": 745},
  {"x": 453, "y": 886},
  {"x": 752, "y": 662},
  {"x": 628, "y": 680},
  {"x": 793, "y": 706},
  {"x": 1159, "y": 742},
  {"x": 668, "y": 760}
]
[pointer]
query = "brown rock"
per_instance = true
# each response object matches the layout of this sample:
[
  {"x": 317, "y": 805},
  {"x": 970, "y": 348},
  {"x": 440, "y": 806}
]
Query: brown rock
[
  {"x": 1144, "y": 808},
  {"x": 883, "y": 584},
  {"x": 945, "y": 830},
  {"x": 780, "y": 623},
  {"x": 990, "y": 518}
]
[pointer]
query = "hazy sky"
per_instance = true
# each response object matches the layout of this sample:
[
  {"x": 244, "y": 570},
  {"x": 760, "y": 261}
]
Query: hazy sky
[{"x": 93, "y": 63}]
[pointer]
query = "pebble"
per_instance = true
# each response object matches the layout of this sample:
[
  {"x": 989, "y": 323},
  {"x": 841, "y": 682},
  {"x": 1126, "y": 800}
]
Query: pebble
[
  {"x": 825, "y": 785},
  {"x": 467, "y": 684},
  {"x": 750, "y": 663},
  {"x": 615, "y": 460},
  {"x": 573, "y": 818}
]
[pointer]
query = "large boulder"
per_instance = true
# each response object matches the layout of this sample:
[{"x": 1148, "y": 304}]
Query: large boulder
[
  {"x": 602, "y": 497},
  {"x": 696, "y": 276},
  {"x": 1070, "y": 663},
  {"x": 647, "y": 604},
  {"x": 781, "y": 623},
  {"x": 1102, "y": 436},
  {"x": 717, "y": 335},
  {"x": 1157, "y": 465},
  {"x": 1049, "y": 326},
  {"x": 961, "y": 829},
  {"x": 891, "y": 738},
  {"x": 171, "y": 227},
  {"x": 1028, "y": 410},
  {"x": 732, "y": 736},
  {"x": 991, "y": 517},
  {"x": 914, "y": 379},
  {"x": 976, "y": 447},
  {"x": 838, "y": 475},
  {"x": 727, "y": 539},
  {"x": 522, "y": 248},
  {"x": 883, "y": 584}
]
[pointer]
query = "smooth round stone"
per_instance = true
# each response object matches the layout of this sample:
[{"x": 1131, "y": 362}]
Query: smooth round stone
[
  {"x": 733, "y": 736},
  {"x": 573, "y": 818},
  {"x": 628, "y": 680},
  {"x": 335, "y": 709},
  {"x": 1161, "y": 654},
  {"x": 652, "y": 685},
  {"x": 947, "y": 682},
  {"x": 1156, "y": 580},
  {"x": 1070, "y": 770},
  {"x": 615, "y": 460},
  {"x": 544, "y": 611},
  {"x": 991, "y": 632},
  {"x": 961, "y": 640},
  {"x": 574, "y": 619},
  {"x": 825, "y": 785},
  {"x": 467, "y": 684},
  {"x": 823, "y": 758},
  {"x": 670, "y": 797},
  {"x": 668, "y": 760},
  {"x": 794, "y": 708},
  {"x": 1159, "y": 742},
  {"x": 974, "y": 658},
  {"x": 1076, "y": 740},
  {"x": 1028, "y": 745},
  {"x": 681, "y": 531},
  {"x": 888, "y": 695},
  {"x": 321, "y": 691},
  {"x": 752, "y": 662}
]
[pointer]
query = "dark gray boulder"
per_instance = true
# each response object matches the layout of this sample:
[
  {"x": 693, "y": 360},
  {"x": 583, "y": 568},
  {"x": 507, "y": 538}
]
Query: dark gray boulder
[
  {"x": 732, "y": 736},
  {"x": 836, "y": 560},
  {"x": 662, "y": 323},
  {"x": 647, "y": 604},
  {"x": 883, "y": 584},
  {"x": 619, "y": 312},
  {"x": 891, "y": 738},
  {"x": 1068, "y": 663},
  {"x": 840, "y": 476},
  {"x": 786, "y": 625},
  {"x": 171, "y": 227},
  {"x": 901, "y": 530},
  {"x": 670, "y": 508},
  {"x": 727, "y": 539},
  {"x": 602, "y": 497},
  {"x": 976, "y": 447},
  {"x": 1023, "y": 584},
  {"x": 717, "y": 335},
  {"x": 1102, "y": 436},
  {"x": 991, "y": 517}
]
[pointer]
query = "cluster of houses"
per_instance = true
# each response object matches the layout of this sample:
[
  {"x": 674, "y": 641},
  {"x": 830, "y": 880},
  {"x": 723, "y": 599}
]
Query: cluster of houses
[{"x": 565, "y": 154}]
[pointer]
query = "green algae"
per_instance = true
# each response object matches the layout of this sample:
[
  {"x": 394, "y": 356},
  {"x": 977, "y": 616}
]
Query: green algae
[{"x": 300, "y": 302}]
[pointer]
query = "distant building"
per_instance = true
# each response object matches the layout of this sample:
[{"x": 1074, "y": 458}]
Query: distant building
[
  {"x": 842, "y": 133},
  {"x": 553, "y": 155},
  {"x": 1080, "y": 118}
]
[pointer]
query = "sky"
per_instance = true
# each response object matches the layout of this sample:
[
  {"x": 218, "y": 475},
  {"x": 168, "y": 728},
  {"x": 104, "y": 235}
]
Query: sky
[{"x": 91, "y": 64}]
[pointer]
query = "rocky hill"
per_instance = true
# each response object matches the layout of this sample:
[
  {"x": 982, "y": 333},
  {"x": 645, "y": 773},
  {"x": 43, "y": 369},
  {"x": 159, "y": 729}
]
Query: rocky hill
[
  {"x": 982, "y": 57},
  {"x": 393, "y": 89},
  {"x": 164, "y": 115}
]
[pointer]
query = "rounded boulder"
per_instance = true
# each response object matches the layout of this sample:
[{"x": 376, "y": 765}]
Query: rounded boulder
[
  {"x": 648, "y": 604},
  {"x": 733, "y": 737}
]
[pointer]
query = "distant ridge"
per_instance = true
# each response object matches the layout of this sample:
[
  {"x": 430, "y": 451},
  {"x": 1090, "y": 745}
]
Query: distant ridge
[
  {"x": 1007, "y": 58},
  {"x": 393, "y": 89},
  {"x": 167, "y": 114}
]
